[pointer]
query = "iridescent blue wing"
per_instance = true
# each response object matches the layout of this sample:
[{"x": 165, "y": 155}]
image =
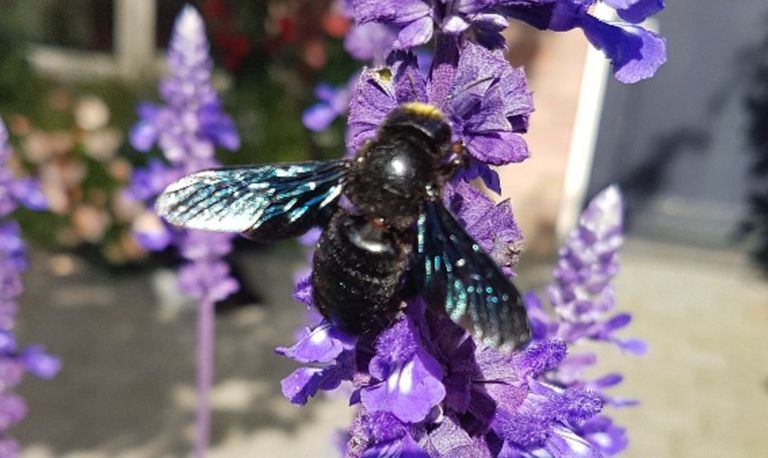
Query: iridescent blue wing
[
  {"x": 451, "y": 270},
  {"x": 264, "y": 202}
]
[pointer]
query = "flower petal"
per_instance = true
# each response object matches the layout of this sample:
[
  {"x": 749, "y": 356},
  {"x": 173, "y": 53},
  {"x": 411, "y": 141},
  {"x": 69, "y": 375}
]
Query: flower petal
[
  {"x": 636, "y": 53},
  {"x": 323, "y": 344},
  {"x": 410, "y": 392},
  {"x": 635, "y": 11},
  {"x": 415, "y": 34}
]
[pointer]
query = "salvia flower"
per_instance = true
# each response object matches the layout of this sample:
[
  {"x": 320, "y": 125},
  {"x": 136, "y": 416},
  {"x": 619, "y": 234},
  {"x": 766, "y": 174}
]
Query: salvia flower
[
  {"x": 418, "y": 20},
  {"x": 423, "y": 386},
  {"x": 486, "y": 101},
  {"x": 426, "y": 388},
  {"x": 187, "y": 128},
  {"x": 15, "y": 360},
  {"x": 332, "y": 102},
  {"x": 582, "y": 298},
  {"x": 635, "y": 52},
  {"x": 190, "y": 124}
]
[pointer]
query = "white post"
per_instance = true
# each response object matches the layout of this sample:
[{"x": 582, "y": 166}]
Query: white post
[
  {"x": 135, "y": 50},
  {"x": 581, "y": 157}
]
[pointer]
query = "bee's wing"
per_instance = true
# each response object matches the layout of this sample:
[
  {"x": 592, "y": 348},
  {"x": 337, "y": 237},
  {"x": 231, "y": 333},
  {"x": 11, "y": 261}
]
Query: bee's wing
[
  {"x": 451, "y": 269},
  {"x": 264, "y": 202}
]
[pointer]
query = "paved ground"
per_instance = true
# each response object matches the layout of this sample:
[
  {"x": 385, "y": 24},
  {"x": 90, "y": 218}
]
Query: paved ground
[{"x": 126, "y": 387}]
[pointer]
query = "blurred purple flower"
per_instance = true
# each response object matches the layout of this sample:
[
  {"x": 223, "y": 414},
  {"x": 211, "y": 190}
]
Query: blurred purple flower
[
  {"x": 15, "y": 191},
  {"x": 15, "y": 361},
  {"x": 191, "y": 123},
  {"x": 583, "y": 299},
  {"x": 187, "y": 128},
  {"x": 332, "y": 102},
  {"x": 371, "y": 42}
]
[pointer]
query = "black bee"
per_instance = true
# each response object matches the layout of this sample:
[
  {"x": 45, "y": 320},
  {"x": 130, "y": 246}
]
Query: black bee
[{"x": 399, "y": 242}]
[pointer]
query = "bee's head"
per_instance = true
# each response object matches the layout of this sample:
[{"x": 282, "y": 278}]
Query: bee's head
[{"x": 423, "y": 117}]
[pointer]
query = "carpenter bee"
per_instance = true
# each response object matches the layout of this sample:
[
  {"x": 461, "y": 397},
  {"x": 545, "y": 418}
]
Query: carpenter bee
[{"x": 400, "y": 240}]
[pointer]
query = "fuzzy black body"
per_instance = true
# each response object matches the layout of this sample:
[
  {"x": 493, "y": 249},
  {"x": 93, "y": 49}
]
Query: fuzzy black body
[
  {"x": 360, "y": 262},
  {"x": 356, "y": 273}
]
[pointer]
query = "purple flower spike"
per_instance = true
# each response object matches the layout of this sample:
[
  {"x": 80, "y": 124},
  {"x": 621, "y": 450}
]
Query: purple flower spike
[
  {"x": 187, "y": 128},
  {"x": 583, "y": 299},
  {"x": 423, "y": 385},
  {"x": 191, "y": 123},
  {"x": 15, "y": 360}
]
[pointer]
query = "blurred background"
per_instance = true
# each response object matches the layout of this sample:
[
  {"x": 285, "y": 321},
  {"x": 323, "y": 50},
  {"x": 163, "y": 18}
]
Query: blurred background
[{"x": 689, "y": 148}]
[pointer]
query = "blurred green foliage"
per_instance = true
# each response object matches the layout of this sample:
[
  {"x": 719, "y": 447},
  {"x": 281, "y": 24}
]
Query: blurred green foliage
[{"x": 269, "y": 56}]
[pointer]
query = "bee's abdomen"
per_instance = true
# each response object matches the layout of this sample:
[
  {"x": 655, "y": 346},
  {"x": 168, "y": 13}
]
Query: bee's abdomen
[{"x": 356, "y": 274}]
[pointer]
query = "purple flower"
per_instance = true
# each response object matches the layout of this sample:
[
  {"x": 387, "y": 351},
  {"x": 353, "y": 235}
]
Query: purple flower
[
  {"x": 191, "y": 123},
  {"x": 487, "y": 102},
  {"x": 412, "y": 18},
  {"x": 187, "y": 128},
  {"x": 582, "y": 298},
  {"x": 428, "y": 389},
  {"x": 635, "y": 11},
  {"x": 381, "y": 435},
  {"x": 417, "y": 20},
  {"x": 331, "y": 353},
  {"x": 15, "y": 191},
  {"x": 406, "y": 378},
  {"x": 332, "y": 103},
  {"x": 370, "y": 42},
  {"x": 148, "y": 182},
  {"x": 207, "y": 280},
  {"x": 635, "y": 52}
]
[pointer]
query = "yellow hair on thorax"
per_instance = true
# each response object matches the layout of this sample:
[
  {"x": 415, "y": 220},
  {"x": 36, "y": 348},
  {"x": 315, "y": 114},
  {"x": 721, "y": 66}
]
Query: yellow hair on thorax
[{"x": 423, "y": 110}]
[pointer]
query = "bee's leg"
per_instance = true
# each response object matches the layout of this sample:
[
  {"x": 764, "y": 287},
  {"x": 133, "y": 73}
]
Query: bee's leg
[{"x": 458, "y": 159}]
